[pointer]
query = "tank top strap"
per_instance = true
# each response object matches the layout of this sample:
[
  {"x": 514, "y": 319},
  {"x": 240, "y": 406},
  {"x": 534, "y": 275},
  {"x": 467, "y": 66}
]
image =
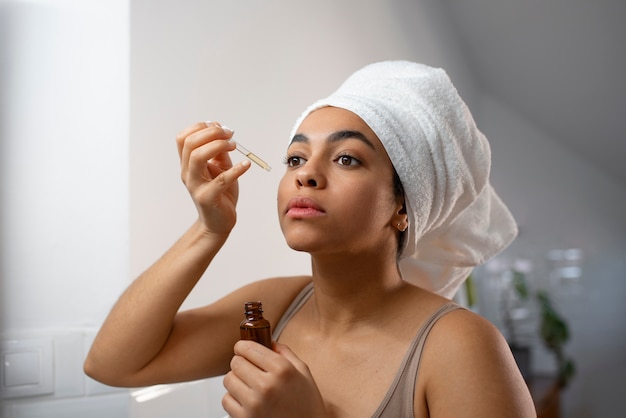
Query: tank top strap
[
  {"x": 399, "y": 400},
  {"x": 294, "y": 307}
]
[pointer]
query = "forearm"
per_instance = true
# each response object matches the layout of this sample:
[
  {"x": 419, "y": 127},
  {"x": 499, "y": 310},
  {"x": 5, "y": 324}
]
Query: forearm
[{"x": 141, "y": 321}]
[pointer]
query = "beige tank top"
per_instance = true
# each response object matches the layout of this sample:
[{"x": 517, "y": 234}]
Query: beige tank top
[{"x": 398, "y": 402}]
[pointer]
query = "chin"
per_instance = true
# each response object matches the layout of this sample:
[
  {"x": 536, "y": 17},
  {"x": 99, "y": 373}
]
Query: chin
[
  {"x": 303, "y": 242},
  {"x": 299, "y": 245}
]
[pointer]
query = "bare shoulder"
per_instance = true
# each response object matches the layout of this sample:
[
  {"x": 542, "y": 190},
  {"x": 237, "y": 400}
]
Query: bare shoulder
[{"x": 468, "y": 370}]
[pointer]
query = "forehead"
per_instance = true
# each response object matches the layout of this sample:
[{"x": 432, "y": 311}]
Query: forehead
[{"x": 323, "y": 122}]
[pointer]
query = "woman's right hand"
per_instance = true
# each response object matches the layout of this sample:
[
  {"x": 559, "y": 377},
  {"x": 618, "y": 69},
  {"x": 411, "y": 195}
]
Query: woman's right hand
[{"x": 208, "y": 173}]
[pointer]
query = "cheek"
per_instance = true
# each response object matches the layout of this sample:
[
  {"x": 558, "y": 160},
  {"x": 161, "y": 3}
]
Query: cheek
[
  {"x": 382, "y": 204},
  {"x": 375, "y": 203},
  {"x": 281, "y": 196}
]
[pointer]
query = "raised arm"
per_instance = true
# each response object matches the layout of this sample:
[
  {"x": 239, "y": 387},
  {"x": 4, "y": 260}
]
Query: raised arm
[{"x": 143, "y": 326}]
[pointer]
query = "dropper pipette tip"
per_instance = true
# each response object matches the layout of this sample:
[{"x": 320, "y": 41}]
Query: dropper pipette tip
[{"x": 252, "y": 156}]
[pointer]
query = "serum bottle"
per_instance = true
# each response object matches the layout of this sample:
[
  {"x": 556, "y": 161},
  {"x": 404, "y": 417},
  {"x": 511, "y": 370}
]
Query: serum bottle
[{"x": 254, "y": 326}]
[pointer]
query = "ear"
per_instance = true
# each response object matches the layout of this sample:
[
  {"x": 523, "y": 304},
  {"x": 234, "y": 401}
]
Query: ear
[{"x": 400, "y": 219}]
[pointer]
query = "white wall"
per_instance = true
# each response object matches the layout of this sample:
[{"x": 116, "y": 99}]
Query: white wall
[
  {"x": 64, "y": 182},
  {"x": 64, "y": 160}
]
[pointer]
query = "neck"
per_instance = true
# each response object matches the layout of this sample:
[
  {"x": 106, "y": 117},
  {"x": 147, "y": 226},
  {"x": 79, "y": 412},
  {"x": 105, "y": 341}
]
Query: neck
[{"x": 348, "y": 291}]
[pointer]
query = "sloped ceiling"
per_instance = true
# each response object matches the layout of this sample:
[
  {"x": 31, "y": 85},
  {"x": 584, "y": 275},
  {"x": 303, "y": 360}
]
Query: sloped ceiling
[{"x": 560, "y": 63}]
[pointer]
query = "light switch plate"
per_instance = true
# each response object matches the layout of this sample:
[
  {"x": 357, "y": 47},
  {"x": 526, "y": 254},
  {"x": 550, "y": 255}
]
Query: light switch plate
[
  {"x": 26, "y": 368},
  {"x": 21, "y": 368}
]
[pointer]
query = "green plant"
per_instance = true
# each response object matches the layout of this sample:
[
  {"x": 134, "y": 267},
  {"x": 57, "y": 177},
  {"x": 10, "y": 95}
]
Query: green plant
[
  {"x": 519, "y": 288},
  {"x": 553, "y": 328},
  {"x": 555, "y": 333}
]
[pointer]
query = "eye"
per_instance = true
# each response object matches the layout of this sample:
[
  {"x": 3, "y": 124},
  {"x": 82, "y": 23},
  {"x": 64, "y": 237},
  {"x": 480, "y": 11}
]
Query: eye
[
  {"x": 293, "y": 161},
  {"x": 347, "y": 160}
]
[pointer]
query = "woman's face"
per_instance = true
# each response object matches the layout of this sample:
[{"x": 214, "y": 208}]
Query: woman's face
[{"x": 336, "y": 195}]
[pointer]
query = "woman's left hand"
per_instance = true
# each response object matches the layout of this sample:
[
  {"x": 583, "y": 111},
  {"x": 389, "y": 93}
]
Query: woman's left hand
[{"x": 266, "y": 383}]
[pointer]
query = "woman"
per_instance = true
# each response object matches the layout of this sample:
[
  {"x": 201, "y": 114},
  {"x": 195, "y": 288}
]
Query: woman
[{"x": 386, "y": 187}]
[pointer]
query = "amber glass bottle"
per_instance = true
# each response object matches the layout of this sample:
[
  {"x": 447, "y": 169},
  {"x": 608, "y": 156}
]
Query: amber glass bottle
[{"x": 254, "y": 326}]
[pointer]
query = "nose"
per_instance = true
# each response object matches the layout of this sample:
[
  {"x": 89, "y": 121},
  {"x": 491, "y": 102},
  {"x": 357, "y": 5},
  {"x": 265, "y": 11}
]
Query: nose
[
  {"x": 310, "y": 182},
  {"x": 310, "y": 176}
]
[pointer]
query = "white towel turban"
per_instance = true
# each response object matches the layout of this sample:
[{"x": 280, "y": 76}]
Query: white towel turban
[{"x": 456, "y": 220}]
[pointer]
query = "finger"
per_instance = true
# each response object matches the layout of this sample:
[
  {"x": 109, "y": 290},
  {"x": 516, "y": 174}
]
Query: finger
[
  {"x": 255, "y": 353},
  {"x": 240, "y": 367},
  {"x": 197, "y": 144},
  {"x": 237, "y": 388},
  {"x": 232, "y": 407},
  {"x": 207, "y": 161},
  {"x": 286, "y": 352},
  {"x": 239, "y": 383},
  {"x": 182, "y": 135},
  {"x": 196, "y": 138},
  {"x": 212, "y": 191}
]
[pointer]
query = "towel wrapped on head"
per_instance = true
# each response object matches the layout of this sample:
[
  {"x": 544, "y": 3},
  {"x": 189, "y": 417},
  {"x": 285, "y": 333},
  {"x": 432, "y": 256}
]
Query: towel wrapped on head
[{"x": 456, "y": 220}]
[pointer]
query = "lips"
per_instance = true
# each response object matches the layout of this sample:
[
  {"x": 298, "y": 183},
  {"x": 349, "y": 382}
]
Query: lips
[{"x": 304, "y": 207}]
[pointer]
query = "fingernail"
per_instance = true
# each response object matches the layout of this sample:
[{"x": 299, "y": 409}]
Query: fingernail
[
  {"x": 208, "y": 123},
  {"x": 227, "y": 129}
]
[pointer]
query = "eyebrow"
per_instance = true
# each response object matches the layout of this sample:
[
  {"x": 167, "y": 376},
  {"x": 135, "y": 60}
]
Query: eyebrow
[{"x": 338, "y": 136}]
